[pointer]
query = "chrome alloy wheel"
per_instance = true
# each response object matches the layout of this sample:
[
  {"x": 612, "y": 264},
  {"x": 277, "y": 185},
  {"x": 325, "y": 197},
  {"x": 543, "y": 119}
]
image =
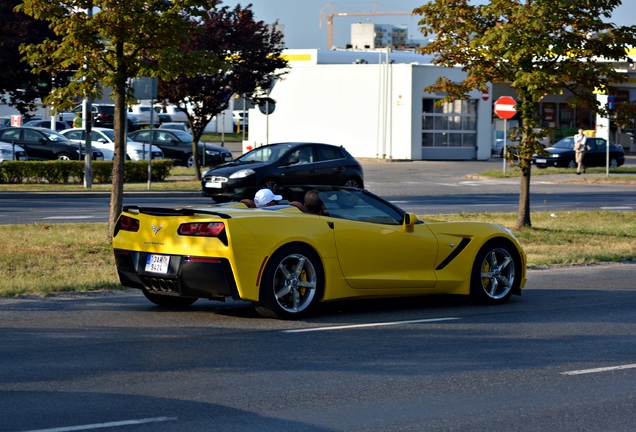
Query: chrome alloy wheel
[
  {"x": 294, "y": 283},
  {"x": 497, "y": 274}
]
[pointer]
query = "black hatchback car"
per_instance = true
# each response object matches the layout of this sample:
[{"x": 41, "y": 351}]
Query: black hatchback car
[
  {"x": 561, "y": 154},
  {"x": 177, "y": 145},
  {"x": 276, "y": 165},
  {"x": 45, "y": 144}
]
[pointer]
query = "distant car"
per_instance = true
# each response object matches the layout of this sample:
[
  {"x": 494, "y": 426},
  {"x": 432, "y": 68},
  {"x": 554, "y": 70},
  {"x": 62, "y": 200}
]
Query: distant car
[
  {"x": 12, "y": 152},
  {"x": 562, "y": 154},
  {"x": 45, "y": 144},
  {"x": 177, "y": 145},
  {"x": 104, "y": 139},
  {"x": 275, "y": 165},
  {"x": 176, "y": 125},
  {"x": 104, "y": 116},
  {"x": 288, "y": 261},
  {"x": 168, "y": 113},
  {"x": 240, "y": 119},
  {"x": 59, "y": 125},
  {"x": 143, "y": 114}
]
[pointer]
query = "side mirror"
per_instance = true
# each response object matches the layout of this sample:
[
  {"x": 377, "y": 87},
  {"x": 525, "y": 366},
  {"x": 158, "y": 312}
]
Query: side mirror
[{"x": 409, "y": 222}]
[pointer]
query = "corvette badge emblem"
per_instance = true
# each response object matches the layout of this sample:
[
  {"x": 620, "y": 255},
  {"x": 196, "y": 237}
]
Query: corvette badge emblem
[{"x": 156, "y": 229}]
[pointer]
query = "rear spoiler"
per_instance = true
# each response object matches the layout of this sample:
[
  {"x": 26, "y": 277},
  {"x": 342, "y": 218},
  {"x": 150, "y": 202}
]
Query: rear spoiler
[{"x": 165, "y": 211}]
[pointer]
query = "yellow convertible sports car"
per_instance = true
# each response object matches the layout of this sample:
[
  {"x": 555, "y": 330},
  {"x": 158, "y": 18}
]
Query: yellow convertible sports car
[{"x": 286, "y": 260}]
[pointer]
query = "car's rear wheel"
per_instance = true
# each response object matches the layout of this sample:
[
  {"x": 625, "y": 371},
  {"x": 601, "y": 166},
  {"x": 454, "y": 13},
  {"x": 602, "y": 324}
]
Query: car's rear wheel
[
  {"x": 353, "y": 182},
  {"x": 167, "y": 301},
  {"x": 270, "y": 184},
  {"x": 63, "y": 157},
  {"x": 292, "y": 284},
  {"x": 613, "y": 163},
  {"x": 495, "y": 273}
]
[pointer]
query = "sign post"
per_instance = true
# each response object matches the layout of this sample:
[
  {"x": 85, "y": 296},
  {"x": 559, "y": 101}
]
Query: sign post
[{"x": 505, "y": 108}]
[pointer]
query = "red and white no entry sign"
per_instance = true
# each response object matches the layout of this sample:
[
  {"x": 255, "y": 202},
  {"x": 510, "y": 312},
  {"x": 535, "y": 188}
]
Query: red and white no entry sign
[{"x": 505, "y": 107}]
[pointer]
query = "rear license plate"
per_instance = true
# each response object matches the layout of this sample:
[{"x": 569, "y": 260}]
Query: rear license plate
[
  {"x": 541, "y": 161},
  {"x": 157, "y": 263}
]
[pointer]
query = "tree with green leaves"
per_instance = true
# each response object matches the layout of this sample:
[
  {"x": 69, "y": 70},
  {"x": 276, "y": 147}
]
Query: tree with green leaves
[
  {"x": 538, "y": 47},
  {"x": 18, "y": 86},
  {"x": 251, "y": 52},
  {"x": 106, "y": 43}
]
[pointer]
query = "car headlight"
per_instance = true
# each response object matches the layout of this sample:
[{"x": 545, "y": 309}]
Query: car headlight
[
  {"x": 242, "y": 173},
  {"x": 555, "y": 155},
  {"x": 5, "y": 152},
  {"x": 212, "y": 152}
]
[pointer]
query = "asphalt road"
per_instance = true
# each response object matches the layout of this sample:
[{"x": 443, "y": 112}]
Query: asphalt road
[
  {"x": 562, "y": 357},
  {"x": 422, "y": 187}
]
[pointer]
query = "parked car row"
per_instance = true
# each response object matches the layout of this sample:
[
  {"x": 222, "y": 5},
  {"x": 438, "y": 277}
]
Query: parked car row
[
  {"x": 45, "y": 144},
  {"x": 177, "y": 145}
]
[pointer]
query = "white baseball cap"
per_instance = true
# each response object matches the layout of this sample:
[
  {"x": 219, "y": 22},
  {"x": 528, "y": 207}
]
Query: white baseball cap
[{"x": 264, "y": 197}]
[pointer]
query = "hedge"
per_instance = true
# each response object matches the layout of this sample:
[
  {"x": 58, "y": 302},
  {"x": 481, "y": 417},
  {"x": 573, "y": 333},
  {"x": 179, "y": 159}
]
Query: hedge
[{"x": 73, "y": 171}]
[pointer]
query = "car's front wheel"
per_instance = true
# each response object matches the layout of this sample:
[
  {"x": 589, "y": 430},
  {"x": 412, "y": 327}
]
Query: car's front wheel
[
  {"x": 495, "y": 273},
  {"x": 63, "y": 157},
  {"x": 572, "y": 164},
  {"x": 190, "y": 161},
  {"x": 167, "y": 301},
  {"x": 292, "y": 284}
]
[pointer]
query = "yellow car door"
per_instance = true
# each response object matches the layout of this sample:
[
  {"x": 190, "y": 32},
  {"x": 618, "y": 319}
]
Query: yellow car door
[{"x": 384, "y": 256}]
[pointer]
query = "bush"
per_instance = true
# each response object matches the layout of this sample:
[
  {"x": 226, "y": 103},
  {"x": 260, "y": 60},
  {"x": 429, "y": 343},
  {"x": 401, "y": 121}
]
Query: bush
[{"x": 73, "y": 171}]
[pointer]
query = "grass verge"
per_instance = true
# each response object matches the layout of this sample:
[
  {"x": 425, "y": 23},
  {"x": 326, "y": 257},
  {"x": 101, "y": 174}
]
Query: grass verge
[{"x": 39, "y": 259}]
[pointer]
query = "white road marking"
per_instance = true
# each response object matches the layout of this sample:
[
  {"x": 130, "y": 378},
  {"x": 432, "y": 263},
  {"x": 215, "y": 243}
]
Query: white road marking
[
  {"x": 601, "y": 369},
  {"x": 353, "y": 326},
  {"x": 107, "y": 425},
  {"x": 618, "y": 208},
  {"x": 69, "y": 217}
]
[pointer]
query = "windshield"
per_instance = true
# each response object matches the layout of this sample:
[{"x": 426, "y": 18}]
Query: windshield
[
  {"x": 270, "y": 153},
  {"x": 565, "y": 143},
  {"x": 182, "y": 136},
  {"x": 110, "y": 134}
]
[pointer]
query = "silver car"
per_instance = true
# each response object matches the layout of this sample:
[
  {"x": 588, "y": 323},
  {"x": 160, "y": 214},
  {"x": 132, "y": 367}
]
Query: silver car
[{"x": 104, "y": 139}]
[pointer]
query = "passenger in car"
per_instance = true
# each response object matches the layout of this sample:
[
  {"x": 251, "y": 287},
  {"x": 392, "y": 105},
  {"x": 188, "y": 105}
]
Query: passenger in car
[
  {"x": 313, "y": 203},
  {"x": 266, "y": 198}
]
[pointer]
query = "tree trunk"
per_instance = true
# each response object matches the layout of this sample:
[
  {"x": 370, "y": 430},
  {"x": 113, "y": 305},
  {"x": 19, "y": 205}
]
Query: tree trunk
[
  {"x": 117, "y": 191},
  {"x": 523, "y": 220}
]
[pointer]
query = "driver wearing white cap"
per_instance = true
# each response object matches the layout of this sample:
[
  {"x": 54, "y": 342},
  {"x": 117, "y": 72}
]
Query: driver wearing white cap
[{"x": 265, "y": 198}]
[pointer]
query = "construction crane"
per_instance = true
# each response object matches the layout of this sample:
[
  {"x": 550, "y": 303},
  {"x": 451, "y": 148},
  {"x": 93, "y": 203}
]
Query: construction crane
[{"x": 327, "y": 13}]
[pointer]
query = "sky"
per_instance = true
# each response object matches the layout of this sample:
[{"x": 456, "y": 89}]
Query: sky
[{"x": 302, "y": 18}]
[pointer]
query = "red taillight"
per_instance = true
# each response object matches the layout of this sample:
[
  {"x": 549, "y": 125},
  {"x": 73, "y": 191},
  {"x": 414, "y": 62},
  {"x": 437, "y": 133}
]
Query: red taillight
[
  {"x": 126, "y": 223},
  {"x": 204, "y": 229}
]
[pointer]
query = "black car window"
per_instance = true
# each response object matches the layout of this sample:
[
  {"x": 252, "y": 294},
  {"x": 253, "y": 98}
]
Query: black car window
[
  {"x": 143, "y": 136},
  {"x": 32, "y": 136},
  {"x": 164, "y": 137},
  {"x": 325, "y": 153},
  {"x": 565, "y": 143},
  {"x": 302, "y": 154},
  {"x": 264, "y": 154},
  {"x": 11, "y": 134}
]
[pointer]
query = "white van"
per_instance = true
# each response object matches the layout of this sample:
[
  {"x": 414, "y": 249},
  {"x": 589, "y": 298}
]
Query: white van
[
  {"x": 143, "y": 114},
  {"x": 169, "y": 113}
]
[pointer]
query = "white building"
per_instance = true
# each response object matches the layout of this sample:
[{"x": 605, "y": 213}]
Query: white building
[{"x": 374, "y": 104}]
